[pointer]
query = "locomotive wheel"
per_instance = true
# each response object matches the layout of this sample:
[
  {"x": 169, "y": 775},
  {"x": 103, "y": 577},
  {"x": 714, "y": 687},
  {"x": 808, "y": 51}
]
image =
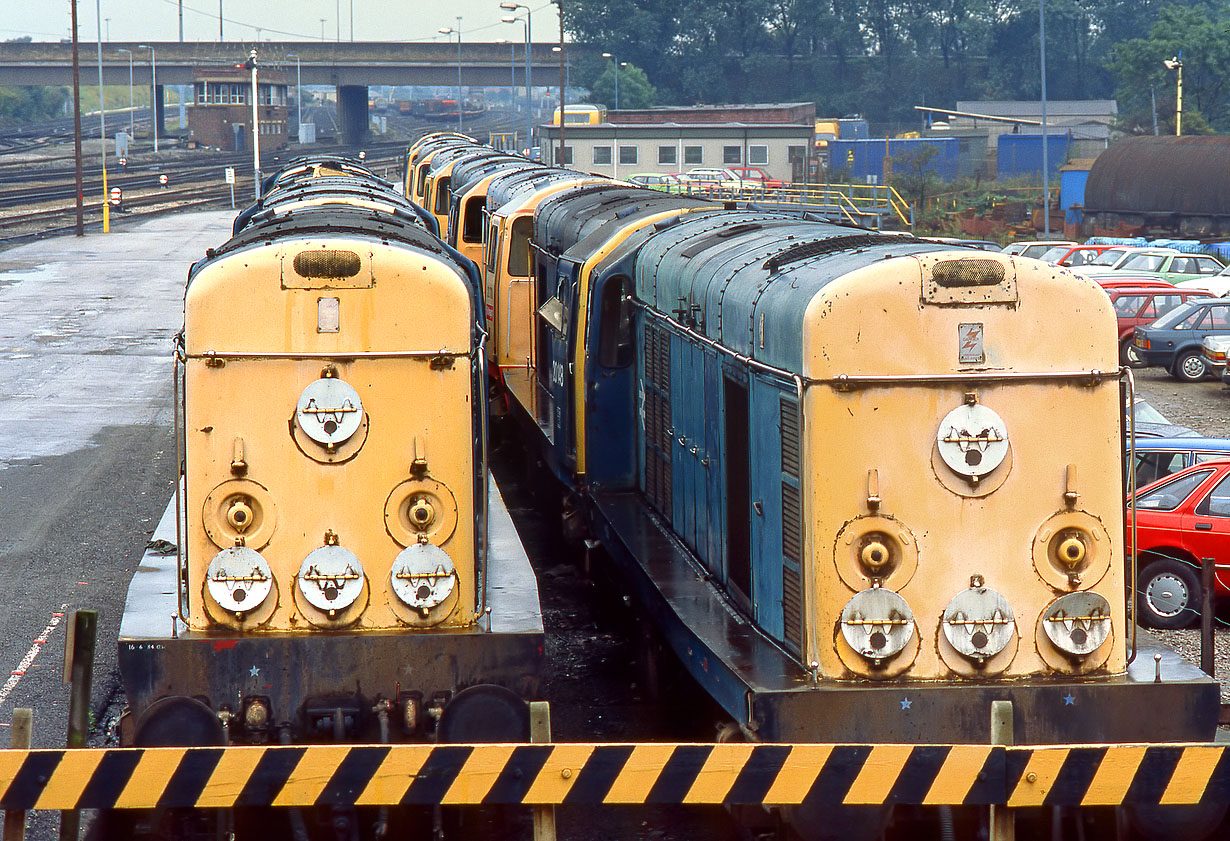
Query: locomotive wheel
[
  {"x": 1189, "y": 367},
  {"x": 1168, "y": 594}
]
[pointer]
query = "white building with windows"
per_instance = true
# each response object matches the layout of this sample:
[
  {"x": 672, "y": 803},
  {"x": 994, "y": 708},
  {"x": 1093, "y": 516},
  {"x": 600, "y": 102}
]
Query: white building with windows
[{"x": 774, "y": 138}]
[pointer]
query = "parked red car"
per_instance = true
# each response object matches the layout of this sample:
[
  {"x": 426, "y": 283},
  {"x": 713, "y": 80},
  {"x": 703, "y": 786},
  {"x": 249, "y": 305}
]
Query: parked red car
[
  {"x": 1180, "y": 519},
  {"x": 751, "y": 173},
  {"x": 1140, "y": 306}
]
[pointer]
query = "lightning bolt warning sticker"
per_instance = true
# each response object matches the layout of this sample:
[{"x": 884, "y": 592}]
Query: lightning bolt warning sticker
[{"x": 969, "y": 343}]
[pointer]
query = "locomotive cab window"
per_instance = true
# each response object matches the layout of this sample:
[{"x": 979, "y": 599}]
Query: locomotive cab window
[
  {"x": 519, "y": 247},
  {"x": 493, "y": 248},
  {"x": 472, "y": 220},
  {"x": 442, "y": 194},
  {"x": 615, "y": 325}
]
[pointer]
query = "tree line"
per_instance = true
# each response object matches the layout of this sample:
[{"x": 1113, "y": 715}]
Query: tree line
[{"x": 879, "y": 58}]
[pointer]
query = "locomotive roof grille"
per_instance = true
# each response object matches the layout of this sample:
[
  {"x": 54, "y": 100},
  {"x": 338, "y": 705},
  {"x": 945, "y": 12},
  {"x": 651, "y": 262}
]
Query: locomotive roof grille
[
  {"x": 816, "y": 248},
  {"x": 968, "y": 273},
  {"x": 328, "y": 262}
]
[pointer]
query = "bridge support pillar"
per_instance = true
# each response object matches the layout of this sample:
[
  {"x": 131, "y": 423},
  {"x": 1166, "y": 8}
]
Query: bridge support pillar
[{"x": 352, "y": 113}]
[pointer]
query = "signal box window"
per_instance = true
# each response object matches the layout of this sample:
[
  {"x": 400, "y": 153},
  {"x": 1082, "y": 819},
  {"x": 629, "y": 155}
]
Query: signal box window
[
  {"x": 602, "y": 154},
  {"x": 666, "y": 155},
  {"x": 627, "y": 154},
  {"x": 566, "y": 157},
  {"x": 692, "y": 155},
  {"x": 732, "y": 154},
  {"x": 757, "y": 154}
]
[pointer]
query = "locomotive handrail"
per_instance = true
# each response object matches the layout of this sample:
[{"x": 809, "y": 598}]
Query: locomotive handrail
[
  {"x": 842, "y": 381},
  {"x": 371, "y": 354},
  {"x": 592, "y": 774}
]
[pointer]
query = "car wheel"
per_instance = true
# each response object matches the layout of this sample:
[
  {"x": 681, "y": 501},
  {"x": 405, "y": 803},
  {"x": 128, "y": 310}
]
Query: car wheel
[
  {"x": 1189, "y": 367},
  {"x": 1168, "y": 594},
  {"x": 1128, "y": 355}
]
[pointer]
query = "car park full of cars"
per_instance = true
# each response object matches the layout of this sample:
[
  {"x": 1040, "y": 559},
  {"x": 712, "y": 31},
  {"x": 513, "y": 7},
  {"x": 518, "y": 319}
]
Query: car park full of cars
[{"x": 1174, "y": 340}]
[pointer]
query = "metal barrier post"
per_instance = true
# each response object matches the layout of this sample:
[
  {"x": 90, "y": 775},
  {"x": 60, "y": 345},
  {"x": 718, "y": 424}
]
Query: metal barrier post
[
  {"x": 1206, "y": 616},
  {"x": 79, "y": 673},
  {"x": 23, "y": 728},
  {"x": 1002, "y": 824},
  {"x": 540, "y": 732}
]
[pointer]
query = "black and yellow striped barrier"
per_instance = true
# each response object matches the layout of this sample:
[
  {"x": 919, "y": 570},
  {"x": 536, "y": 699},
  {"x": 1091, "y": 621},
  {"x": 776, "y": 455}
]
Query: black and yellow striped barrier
[{"x": 589, "y": 774}]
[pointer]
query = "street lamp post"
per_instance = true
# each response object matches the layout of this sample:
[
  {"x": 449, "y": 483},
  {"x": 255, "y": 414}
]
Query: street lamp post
[
  {"x": 298, "y": 98},
  {"x": 153, "y": 100},
  {"x": 1176, "y": 63},
  {"x": 102, "y": 121},
  {"x": 250, "y": 64},
  {"x": 1046, "y": 172},
  {"x": 132, "y": 124},
  {"x": 615, "y": 61},
  {"x": 510, "y": 6}
]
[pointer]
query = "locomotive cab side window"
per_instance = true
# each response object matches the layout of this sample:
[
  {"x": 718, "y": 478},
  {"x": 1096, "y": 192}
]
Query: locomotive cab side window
[
  {"x": 615, "y": 349},
  {"x": 519, "y": 247},
  {"x": 472, "y": 219},
  {"x": 442, "y": 194},
  {"x": 493, "y": 249}
]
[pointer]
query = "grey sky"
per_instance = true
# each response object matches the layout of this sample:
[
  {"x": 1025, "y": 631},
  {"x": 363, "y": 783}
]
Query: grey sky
[{"x": 278, "y": 20}]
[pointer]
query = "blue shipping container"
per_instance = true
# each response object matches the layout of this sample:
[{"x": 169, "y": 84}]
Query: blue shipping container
[
  {"x": 863, "y": 158},
  {"x": 1021, "y": 154}
]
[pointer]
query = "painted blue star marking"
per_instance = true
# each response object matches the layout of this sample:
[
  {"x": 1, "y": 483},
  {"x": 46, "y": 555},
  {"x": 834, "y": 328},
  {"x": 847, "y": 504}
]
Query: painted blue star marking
[
  {"x": 906, "y": 703},
  {"x": 1068, "y": 700},
  {"x": 255, "y": 672}
]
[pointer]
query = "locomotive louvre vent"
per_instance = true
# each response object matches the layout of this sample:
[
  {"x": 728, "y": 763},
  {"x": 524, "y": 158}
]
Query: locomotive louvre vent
[
  {"x": 327, "y": 263},
  {"x": 792, "y": 522},
  {"x": 791, "y": 453}
]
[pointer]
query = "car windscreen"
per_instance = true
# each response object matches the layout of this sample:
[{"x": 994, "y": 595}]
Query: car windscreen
[
  {"x": 1053, "y": 254},
  {"x": 1175, "y": 315},
  {"x": 1143, "y": 262},
  {"x": 1108, "y": 257}
]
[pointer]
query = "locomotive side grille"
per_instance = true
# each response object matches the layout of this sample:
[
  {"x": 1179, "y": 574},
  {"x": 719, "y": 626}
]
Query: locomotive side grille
[
  {"x": 792, "y": 609},
  {"x": 792, "y": 527},
  {"x": 790, "y": 438},
  {"x": 658, "y": 433},
  {"x": 792, "y": 520}
]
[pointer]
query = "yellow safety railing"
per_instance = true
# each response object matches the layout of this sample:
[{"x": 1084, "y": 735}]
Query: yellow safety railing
[{"x": 856, "y": 203}]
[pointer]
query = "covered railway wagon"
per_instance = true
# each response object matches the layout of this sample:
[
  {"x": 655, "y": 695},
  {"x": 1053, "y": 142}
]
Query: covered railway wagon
[
  {"x": 341, "y": 568},
  {"x": 1160, "y": 184}
]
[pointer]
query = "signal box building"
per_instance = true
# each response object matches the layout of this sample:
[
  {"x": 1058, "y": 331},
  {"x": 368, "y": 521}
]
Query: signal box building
[{"x": 221, "y": 111}]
